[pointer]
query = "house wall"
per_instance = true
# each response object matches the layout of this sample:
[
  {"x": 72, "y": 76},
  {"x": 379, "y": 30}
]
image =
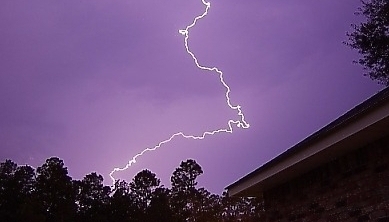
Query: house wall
[{"x": 354, "y": 187}]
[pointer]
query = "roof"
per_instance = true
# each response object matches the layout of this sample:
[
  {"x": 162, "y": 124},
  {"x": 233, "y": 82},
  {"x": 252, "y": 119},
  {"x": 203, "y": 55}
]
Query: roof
[{"x": 359, "y": 125}]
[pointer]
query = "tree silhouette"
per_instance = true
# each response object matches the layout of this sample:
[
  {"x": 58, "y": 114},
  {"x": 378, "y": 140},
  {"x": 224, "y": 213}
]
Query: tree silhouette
[
  {"x": 371, "y": 39},
  {"x": 184, "y": 192},
  {"x": 17, "y": 185},
  {"x": 122, "y": 204},
  {"x": 141, "y": 189},
  {"x": 159, "y": 208},
  {"x": 93, "y": 198},
  {"x": 55, "y": 191},
  {"x": 241, "y": 209},
  {"x": 8, "y": 204},
  {"x": 184, "y": 177},
  {"x": 206, "y": 206},
  {"x": 50, "y": 194}
]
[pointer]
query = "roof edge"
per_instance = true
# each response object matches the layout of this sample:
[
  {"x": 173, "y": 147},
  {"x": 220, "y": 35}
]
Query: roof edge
[{"x": 347, "y": 117}]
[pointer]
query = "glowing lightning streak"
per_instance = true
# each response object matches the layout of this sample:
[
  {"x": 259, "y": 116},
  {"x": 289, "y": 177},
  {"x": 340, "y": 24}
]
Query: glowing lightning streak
[{"x": 239, "y": 123}]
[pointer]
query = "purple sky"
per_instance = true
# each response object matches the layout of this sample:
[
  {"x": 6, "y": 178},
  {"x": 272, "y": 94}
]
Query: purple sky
[{"x": 95, "y": 82}]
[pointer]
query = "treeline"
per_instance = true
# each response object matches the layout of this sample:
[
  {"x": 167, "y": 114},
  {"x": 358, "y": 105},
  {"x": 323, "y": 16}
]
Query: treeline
[{"x": 50, "y": 194}]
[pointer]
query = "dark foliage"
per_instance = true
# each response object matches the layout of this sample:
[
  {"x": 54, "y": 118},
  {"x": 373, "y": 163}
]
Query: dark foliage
[
  {"x": 50, "y": 194},
  {"x": 371, "y": 39}
]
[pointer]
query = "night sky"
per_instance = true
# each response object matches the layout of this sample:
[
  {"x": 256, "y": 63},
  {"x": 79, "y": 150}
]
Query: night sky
[{"x": 96, "y": 82}]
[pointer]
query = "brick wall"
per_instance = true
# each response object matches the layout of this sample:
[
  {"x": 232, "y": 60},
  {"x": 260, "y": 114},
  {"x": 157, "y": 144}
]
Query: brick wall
[{"x": 354, "y": 187}]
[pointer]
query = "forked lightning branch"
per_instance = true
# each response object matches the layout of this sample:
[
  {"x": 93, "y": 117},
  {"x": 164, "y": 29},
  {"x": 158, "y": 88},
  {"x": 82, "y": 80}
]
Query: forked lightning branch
[{"x": 241, "y": 122}]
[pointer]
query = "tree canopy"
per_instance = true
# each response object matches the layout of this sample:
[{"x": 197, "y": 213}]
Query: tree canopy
[
  {"x": 50, "y": 194},
  {"x": 371, "y": 39}
]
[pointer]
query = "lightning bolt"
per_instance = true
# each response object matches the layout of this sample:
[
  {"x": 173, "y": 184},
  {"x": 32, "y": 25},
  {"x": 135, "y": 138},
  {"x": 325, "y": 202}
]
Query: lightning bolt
[{"x": 241, "y": 122}]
